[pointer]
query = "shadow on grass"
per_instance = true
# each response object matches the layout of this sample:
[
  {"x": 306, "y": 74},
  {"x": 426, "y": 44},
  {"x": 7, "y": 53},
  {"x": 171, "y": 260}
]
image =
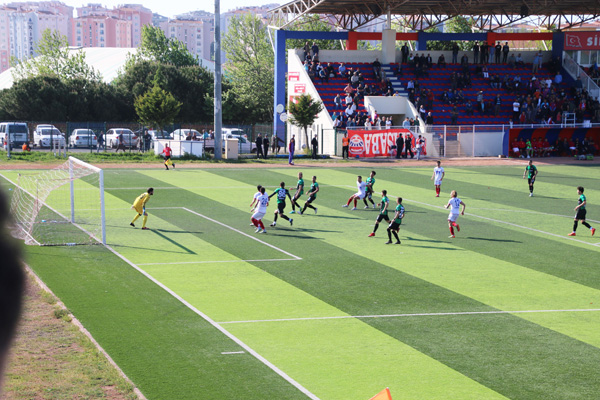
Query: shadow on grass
[
  {"x": 174, "y": 242},
  {"x": 334, "y": 216},
  {"x": 493, "y": 240}
]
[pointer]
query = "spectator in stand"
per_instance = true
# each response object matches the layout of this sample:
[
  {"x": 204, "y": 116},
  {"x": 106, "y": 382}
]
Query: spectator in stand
[
  {"x": 429, "y": 61},
  {"x": 429, "y": 120},
  {"x": 480, "y": 102},
  {"x": 464, "y": 63},
  {"x": 476, "y": 49},
  {"x": 497, "y": 52},
  {"x": 558, "y": 78},
  {"x": 505, "y": 51},
  {"x": 376, "y": 68},
  {"x": 455, "y": 53},
  {"x": 454, "y": 115},
  {"x": 519, "y": 61},
  {"x": 315, "y": 51},
  {"x": 468, "y": 107},
  {"x": 512, "y": 60},
  {"x": 406, "y": 123},
  {"x": 516, "y": 110},
  {"x": 536, "y": 63},
  {"x": 342, "y": 69},
  {"x": 306, "y": 51},
  {"x": 404, "y": 50},
  {"x": 323, "y": 75},
  {"x": 484, "y": 49},
  {"x": 337, "y": 101},
  {"x": 422, "y": 112},
  {"x": 441, "y": 62},
  {"x": 330, "y": 71},
  {"x": 497, "y": 105}
]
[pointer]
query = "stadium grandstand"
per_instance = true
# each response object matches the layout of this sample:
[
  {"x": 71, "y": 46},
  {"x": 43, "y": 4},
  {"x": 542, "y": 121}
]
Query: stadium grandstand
[{"x": 473, "y": 102}]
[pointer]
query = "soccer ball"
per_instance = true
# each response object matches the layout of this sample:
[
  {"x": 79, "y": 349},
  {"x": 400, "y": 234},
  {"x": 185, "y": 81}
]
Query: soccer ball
[{"x": 304, "y": 146}]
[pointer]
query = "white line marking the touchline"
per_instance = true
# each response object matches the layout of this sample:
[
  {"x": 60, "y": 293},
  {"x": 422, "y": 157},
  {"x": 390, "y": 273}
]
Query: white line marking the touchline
[
  {"x": 242, "y": 233},
  {"x": 224, "y": 331},
  {"x": 222, "y": 261},
  {"x": 409, "y": 315}
]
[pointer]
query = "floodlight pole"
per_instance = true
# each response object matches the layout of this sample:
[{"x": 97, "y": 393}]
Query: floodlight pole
[{"x": 218, "y": 108}]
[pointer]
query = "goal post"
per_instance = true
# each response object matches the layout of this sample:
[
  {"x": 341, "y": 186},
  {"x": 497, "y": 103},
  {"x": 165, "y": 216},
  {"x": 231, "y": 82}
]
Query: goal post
[{"x": 61, "y": 206}]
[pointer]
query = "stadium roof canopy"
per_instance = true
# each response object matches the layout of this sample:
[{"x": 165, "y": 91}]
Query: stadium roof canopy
[{"x": 488, "y": 15}]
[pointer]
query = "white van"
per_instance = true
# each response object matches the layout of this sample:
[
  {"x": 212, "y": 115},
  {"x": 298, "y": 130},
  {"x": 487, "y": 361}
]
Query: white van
[{"x": 18, "y": 132}]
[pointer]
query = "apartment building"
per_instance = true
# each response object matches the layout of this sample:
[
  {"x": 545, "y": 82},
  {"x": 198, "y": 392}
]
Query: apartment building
[{"x": 196, "y": 35}]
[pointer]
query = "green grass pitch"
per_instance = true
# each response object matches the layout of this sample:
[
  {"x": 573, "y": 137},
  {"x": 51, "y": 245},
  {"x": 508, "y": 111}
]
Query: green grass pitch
[{"x": 509, "y": 309}]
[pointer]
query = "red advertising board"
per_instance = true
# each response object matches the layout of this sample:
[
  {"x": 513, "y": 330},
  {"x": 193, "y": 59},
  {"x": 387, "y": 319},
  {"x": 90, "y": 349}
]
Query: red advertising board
[
  {"x": 299, "y": 88},
  {"x": 375, "y": 143},
  {"x": 589, "y": 40},
  {"x": 293, "y": 76}
]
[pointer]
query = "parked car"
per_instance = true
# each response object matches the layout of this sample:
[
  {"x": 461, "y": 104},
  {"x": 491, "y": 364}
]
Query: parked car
[
  {"x": 234, "y": 132},
  {"x": 161, "y": 135},
  {"x": 130, "y": 139},
  {"x": 83, "y": 138},
  {"x": 18, "y": 132},
  {"x": 181, "y": 134},
  {"x": 244, "y": 145},
  {"x": 48, "y": 136}
]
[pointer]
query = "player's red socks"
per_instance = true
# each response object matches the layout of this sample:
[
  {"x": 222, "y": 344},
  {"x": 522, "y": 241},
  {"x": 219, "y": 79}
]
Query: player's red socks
[
  {"x": 349, "y": 200},
  {"x": 451, "y": 230},
  {"x": 454, "y": 224},
  {"x": 255, "y": 222},
  {"x": 355, "y": 202},
  {"x": 437, "y": 190},
  {"x": 261, "y": 225}
]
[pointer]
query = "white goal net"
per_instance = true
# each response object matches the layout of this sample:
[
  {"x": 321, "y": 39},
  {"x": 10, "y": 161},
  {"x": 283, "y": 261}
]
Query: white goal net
[{"x": 60, "y": 206}]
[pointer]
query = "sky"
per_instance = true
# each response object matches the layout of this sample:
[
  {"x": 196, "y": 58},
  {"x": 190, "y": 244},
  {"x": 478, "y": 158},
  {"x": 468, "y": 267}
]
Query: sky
[{"x": 169, "y": 9}]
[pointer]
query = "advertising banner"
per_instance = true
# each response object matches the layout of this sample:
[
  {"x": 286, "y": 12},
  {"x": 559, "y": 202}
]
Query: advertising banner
[
  {"x": 589, "y": 40},
  {"x": 376, "y": 143}
]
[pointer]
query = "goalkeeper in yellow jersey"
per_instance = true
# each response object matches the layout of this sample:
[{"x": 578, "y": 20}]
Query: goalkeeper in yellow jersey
[{"x": 139, "y": 205}]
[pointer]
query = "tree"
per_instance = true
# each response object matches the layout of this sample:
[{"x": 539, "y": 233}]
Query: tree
[
  {"x": 156, "y": 46},
  {"x": 304, "y": 112},
  {"x": 458, "y": 24},
  {"x": 55, "y": 59},
  {"x": 157, "y": 107},
  {"x": 250, "y": 67},
  {"x": 188, "y": 85}
]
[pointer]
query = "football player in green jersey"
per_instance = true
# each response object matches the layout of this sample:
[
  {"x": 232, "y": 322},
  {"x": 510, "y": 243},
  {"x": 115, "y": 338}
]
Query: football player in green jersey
[
  {"x": 581, "y": 212},
  {"x": 370, "y": 184},
  {"x": 383, "y": 212},
  {"x": 299, "y": 192},
  {"x": 312, "y": 195},
  {"x": 394, "y": 227},
  {"x": 531, "y": 172},
  {"x": 281, "y": 193}
]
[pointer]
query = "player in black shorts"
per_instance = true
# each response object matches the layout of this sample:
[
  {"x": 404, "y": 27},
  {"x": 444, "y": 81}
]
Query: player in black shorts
[
  {"x": 394, "y": 227},
  {"x": 581, "y": 212},
  {"x": 369, "y": 187},
  {"x": 281, "y": 193},
  {"x": 383, "y": 212},
  {"x": 312, "y": 195}
]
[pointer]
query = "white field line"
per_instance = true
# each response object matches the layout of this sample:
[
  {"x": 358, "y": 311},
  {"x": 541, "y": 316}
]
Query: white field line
[
  {"x": 233, "y": 352},
  {"x": 221, "y": 261},
  {"x": 242, "y": 233},
  {"x": 502, "y": 222},
  {"x": 408, "y": 315},
  {"x": 529, "y": 212},
  {"x": 204, "y": 187},
  {"x": 220, "y": 328}
]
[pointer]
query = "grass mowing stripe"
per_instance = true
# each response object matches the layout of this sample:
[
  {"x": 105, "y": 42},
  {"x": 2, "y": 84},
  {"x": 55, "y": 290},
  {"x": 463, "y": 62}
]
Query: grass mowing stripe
[
  {"x": 225, "y": 290},
  {"x": 166, "y": 349},
  {"x": 552, "y": 344},
  {"x": 224, "y": 331}
]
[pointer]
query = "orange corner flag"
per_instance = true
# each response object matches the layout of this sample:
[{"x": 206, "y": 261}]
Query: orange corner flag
[{"x": 383, "y": 395}]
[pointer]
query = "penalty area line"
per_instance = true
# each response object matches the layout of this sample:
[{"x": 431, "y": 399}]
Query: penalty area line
[
  {"x": 243, "y": 233},
  {"x": 218, "y": 326},
  {"x": 222, "y": 261},
  {"x": 409, "y": 315}
]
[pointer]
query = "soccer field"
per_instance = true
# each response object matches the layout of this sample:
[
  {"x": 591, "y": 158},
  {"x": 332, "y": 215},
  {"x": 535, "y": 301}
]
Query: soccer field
[{"x": 202, "y": 307}]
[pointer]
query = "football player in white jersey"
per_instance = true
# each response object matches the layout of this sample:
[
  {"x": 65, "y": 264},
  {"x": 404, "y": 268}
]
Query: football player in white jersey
[
  {"x": 263, "y": 202},
  {"x": 454, "y": 204},
  {"x": 254, "y": 200},
  {"x": 438, "y": 175},
  {"x": 362, "y": 192}
]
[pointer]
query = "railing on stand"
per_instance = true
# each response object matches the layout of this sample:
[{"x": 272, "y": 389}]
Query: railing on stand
[{"x": 577, "y": 72}]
